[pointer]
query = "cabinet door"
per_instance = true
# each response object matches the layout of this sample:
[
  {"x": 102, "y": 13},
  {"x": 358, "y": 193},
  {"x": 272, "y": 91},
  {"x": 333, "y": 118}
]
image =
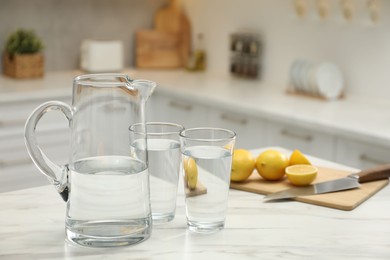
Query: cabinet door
[
  {"x": 307, "y": 141},
  {"x": 168, "y": 109},
  {"x": 13, "y": 115},
  {"x": 17, "y": 170},
  {"x": 152, "y": 109},
  {"x": 250, "y": 131},
  {"x": 361, "y": 155}
]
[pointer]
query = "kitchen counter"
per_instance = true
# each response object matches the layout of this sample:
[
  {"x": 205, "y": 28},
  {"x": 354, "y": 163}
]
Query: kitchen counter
[
  {"x": 32, "y": 227},
  {"x": 53, "y": 84},
  {"x": 352, "y": 117}
]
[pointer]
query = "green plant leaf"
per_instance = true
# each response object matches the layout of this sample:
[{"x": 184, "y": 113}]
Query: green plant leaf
[{"x": 23, "y": 41}]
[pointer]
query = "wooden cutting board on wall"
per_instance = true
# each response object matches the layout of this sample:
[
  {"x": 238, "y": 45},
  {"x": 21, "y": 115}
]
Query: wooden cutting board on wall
[
  {"x": 168, "y": 19},
  {"x": 344, "y": 200},
  {"x": 157, "y": 49},
  {"x": 168, "y": 44}
]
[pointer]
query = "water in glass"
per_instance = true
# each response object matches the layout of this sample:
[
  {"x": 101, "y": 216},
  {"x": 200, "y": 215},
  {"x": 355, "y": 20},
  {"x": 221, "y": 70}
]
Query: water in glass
[
  {"x": 164, "y": 168},
  {"x": 207, "y": 211}
]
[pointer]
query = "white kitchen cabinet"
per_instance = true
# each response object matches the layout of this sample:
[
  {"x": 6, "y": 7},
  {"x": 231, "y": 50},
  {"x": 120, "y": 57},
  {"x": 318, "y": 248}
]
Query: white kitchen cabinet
[
  {"x": 251, "y": 132},
  {"x": 151, "y": 108},
  {"x": 17, "y": 171},
  {"x": 360, "y": 154},
  {"x": 307, "y": 141},
  {"x": 13, "y": 115},
  {"x": 174, "y": 110}
]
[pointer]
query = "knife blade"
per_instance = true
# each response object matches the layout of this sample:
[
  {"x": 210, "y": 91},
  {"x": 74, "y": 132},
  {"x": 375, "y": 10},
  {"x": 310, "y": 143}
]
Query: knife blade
[{"x": 352, "y": 181}]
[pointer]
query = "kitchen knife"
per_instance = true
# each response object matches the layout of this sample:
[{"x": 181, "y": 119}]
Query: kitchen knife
[{"x": 350, "y": 182}]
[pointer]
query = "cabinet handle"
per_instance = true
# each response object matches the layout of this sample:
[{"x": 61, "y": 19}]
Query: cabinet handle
[
  {"x": 306, "y": 138},
  {"x": 241, "y": 121},
  {"x": 180, "y": 105},
  {"x": 112, "y": 108},
  {"x": 369, "y": 159},
  {"x": 20, "y": 161},
  {"x": 12, "y": 122}
]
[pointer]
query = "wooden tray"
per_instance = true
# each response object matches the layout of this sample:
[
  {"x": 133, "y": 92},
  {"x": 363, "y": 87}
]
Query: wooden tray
[{"x": 344, "y": 200}]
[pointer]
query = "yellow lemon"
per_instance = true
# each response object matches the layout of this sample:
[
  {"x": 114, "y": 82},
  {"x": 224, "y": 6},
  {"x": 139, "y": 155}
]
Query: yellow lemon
[
  {"x": 301, "y": 174},
  {"x": 271, "y": 164},
  {"x": 298, "y": 158},
  {"x": 190, "y": 172},
  {"x": 243, "y": 165}
]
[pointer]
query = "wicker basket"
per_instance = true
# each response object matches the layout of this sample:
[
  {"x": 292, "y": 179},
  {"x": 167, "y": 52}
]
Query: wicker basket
[{"x": 23, "y": 65}]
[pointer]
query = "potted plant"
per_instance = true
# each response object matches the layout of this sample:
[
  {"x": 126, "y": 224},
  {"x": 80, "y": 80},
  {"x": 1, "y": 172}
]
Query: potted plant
[{"x": 22, "y": 56}]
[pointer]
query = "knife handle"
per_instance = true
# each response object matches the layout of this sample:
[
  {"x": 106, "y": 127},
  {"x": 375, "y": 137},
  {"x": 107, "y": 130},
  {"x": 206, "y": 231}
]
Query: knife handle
[{"x": 375, "y": 173}]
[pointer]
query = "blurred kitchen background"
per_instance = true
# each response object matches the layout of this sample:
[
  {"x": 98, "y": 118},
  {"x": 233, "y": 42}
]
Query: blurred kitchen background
[
  {"x": 360, "y": 47},
  {"x": 352, "y": 127}
]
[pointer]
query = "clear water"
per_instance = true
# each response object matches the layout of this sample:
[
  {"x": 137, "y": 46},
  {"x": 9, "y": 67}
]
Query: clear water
[
  {"x": 108, "y": 202},
  {"x": 164, "y": 169},
  {"x": 207, "y": 212}
]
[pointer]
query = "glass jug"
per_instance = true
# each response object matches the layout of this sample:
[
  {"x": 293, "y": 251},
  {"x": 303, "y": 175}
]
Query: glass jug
[{"x": 105, "y": 185}]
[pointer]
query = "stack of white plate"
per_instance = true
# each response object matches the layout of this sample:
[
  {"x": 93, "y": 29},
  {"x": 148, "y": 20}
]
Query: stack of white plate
[{"x": 324, "y": 79}]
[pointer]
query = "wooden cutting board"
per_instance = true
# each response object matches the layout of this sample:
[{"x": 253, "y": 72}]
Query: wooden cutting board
[
  {"x": 157, "y": 49},
  {"x": 344, "y": 200},
  {"x": 172, "y": 19},
  {"x": 168, "y": 18},
  {"x": 168, "y": 44}
]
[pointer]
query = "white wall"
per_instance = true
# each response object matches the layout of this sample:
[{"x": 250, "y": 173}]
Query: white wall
[
  {"x": 361, "y": 49},
  {"x": 63, "y": 24}
]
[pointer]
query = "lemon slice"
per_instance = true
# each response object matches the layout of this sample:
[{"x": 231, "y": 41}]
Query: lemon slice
[
  {"x": 301, "y": 174},
  {"x": 297, "y": 157},
  {"x": 190, "y": 172}
]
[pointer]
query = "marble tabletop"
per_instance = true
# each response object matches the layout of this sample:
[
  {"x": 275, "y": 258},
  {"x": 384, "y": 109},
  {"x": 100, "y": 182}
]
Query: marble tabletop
[{"x": 32, "y": 227}]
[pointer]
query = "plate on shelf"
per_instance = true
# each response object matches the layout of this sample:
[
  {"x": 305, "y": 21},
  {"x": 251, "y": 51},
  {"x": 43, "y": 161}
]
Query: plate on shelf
[
  {"x": 294, "y": 74},
  {"x": 305, "y": 72},
  {"x": 329, "y": 80}
]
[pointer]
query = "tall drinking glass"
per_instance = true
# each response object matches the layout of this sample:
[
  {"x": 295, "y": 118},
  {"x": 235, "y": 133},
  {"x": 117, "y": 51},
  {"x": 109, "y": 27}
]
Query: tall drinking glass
[
  {"x": 207, "y": 160},
  {"x": 163, "y": 149}
]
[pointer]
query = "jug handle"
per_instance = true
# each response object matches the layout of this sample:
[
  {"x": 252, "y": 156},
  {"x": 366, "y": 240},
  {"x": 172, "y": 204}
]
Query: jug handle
[{"x": 57, "y": 174}]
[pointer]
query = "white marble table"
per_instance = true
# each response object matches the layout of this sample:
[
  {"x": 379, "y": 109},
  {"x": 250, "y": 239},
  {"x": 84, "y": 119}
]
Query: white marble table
[{"x": 32, "y": 227}]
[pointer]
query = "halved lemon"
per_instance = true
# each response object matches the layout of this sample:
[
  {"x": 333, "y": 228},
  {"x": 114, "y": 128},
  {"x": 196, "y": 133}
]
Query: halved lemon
[{"x": 301, "y": 174}]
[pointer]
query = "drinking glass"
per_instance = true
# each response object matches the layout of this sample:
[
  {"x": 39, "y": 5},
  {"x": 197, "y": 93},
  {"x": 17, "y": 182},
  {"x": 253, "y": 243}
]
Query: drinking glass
[
  {"x": 163, "y": 150},
  {"x": 207, "y": 160}
]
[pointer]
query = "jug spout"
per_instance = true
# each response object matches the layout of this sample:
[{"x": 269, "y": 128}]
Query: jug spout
[{"x": 145, "y": 88}]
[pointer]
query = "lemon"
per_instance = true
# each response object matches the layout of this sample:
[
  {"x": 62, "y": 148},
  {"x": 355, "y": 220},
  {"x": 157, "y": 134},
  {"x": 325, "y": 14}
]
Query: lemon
[
  {"x": 271, "y": 164},
  {"x": 190, "y": 172},
  {"x": 243, "y": 165},
  {"x": 298, "y": 158},
  {"x": 301, "y": 174}
]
